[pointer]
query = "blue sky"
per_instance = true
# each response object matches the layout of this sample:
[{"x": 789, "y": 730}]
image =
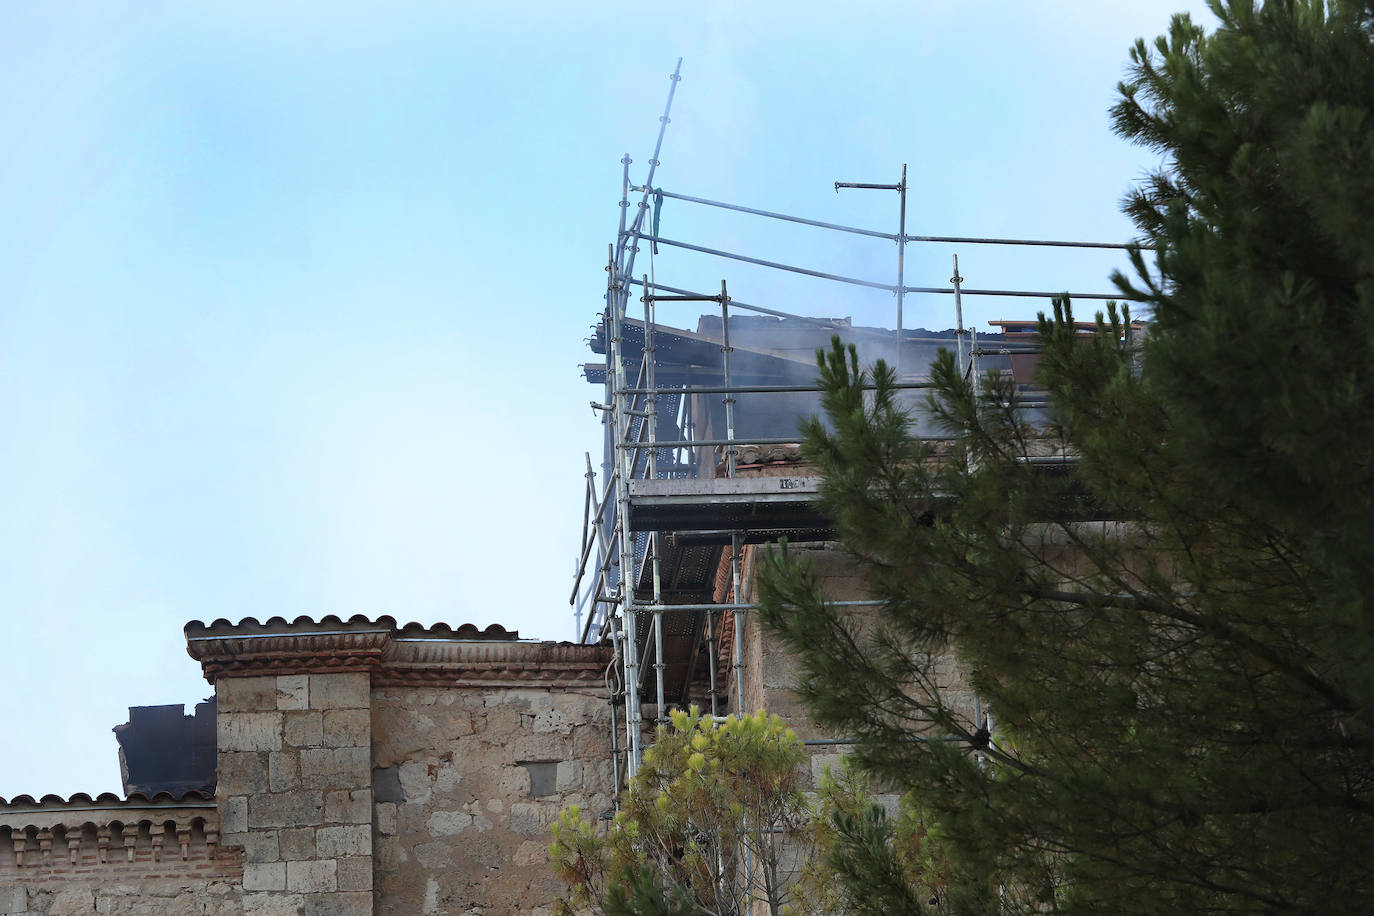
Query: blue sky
[{"x": 292, "y": 297}]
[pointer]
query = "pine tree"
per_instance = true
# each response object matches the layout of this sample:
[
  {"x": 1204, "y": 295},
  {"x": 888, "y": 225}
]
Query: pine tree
[
  {"x": 1175, "y": 640},
  {"x": 713, "y": 822}
]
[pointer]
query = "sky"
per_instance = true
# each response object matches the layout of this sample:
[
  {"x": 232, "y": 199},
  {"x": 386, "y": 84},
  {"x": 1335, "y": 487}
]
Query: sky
[{"x": 293, "y": 297}]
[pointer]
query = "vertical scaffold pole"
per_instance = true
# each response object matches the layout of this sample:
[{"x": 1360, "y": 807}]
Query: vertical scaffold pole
[
  {"x": 622, "y": 269},
  {"x": 711, "y": 658},
  {"x": 729, "y": 399},
  {"x": 624, "y": 199},
  {"x": 651, "y": 418},
  {"x": 730, "y": 465},
  {"x": 958, "y": 315},
  {"x": 900, "y": 188},
  {"x": 901, "y": 268},
  {"x": 973, "y": 362},
  {"x": 736, "y": 544},
  {"x": 615, "y": 745},
  {"x": 624, "y": 458}
]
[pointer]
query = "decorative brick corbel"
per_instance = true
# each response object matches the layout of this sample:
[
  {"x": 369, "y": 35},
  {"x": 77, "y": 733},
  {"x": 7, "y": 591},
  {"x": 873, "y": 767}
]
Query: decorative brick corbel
[{"x": 130, "y": 834}]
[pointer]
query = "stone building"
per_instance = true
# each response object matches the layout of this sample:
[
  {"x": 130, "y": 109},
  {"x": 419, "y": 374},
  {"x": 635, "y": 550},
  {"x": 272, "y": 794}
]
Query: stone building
[{"x": 363, "y": 768}]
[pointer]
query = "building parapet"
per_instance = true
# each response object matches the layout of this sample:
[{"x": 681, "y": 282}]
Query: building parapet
[
  {"x": 392, "y": 654},
  {"x": 55, "y": 834}
]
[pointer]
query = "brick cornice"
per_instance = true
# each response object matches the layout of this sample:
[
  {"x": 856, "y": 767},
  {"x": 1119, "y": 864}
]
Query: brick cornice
[
  {"x": 393, "y": 655},
  {"x": 286, "y": 653},
  {"x": 431, "y": 662}
]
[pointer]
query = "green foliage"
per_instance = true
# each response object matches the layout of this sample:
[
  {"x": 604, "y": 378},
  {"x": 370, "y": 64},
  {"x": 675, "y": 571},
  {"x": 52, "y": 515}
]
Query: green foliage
[
  {"x": 709, "y": 796},
  {"x": 1176, "y": 639},
  {"x": 638, "y": 894},
  {"x": 867, "y": 863}
]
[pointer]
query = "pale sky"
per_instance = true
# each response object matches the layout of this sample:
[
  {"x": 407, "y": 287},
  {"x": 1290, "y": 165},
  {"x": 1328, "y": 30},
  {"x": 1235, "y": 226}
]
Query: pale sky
[{"x": 293, "y": 296}]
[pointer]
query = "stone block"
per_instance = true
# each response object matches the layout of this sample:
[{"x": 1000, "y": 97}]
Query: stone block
[
  {"x": 262, "y": 903},
  {"x": 348, "y": 807},
  {"x": 13, "y": 900},
  {"x": 264, "y": 876},
  {"x": 386, "y": 819},
  {"x": 283, "y": 771},
  {"x": 416, "y": 783},
  {"x": 446, "y": 778},
  {"x": 298, "y": 843},
  {"x": 514, "y": 781},
  {"x": 303, "y": 729},
  {"x": 551, "y": 721},
  {"x": 350, "y": 903},
  {"x": 249, "y": 731},
  {"x": 233, "y": 813},
  {"x": 352, "y": 690},
  {"x": 347, "y": 727},
  {"x": 245, "y": 694},
  {"x": 447, "y": 823},
  {"x": 72, "y": 902},
  {"x": 525, "y": 820},
  {"x": 311, "y": 877},
  {"x": 548, "y": 746},
  {"x": 436, "y": 855},
  {"x": 293, "y": 691},
  {"x": 569, "y": 775},
  {"x": 332, "y": 842},
  {"x": 531, "y": 852},
  {"x": 286, "y": 809},
  {"x": 337, "y": 767},
  {"x": 355, "y": 873},
  {"x": 240, "y": 773},
  {"x": 261, "y": 846}
]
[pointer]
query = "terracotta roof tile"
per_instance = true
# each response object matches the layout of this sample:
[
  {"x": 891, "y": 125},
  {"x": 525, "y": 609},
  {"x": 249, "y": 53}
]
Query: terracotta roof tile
[
  {"x": 106, "y": 799},
  {"x": 305, "y": 623}
]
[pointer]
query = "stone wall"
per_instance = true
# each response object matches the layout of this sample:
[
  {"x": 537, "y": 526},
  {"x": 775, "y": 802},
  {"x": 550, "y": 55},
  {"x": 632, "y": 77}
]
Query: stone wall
[
  {"x": 295, "y": 765},
  {"x": 124, "y": 897},
  {"x": 116, "y": 857},
  {"x": 368, "y": 768},
  {"x": 771, "y": 672},
  {"x": 468, "y": 781}
]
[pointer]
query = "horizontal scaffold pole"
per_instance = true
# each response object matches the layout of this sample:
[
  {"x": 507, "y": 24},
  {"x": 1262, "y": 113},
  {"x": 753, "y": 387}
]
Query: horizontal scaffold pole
[
  {"x": 872, "y": 284},
  {"x": 891, "y": 236},
  {"x": 691, "y": 443},
  {"x": 740, "y": 607},
  {"x": 759, "y": 389}
]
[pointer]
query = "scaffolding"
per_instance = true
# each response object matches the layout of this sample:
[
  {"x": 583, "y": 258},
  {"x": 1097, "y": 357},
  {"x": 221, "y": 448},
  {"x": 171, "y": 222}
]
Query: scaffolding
[{"x": 667, "y": 515}]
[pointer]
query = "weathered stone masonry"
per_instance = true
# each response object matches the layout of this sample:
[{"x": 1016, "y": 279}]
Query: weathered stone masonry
[
  {"x": 138, "y": 856},
  {"x": 366, "y": 768},
  {"x": 362, "y": 768}
]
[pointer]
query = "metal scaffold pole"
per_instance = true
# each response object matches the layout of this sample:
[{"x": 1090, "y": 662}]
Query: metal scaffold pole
[
  {"x": 731, "y": 452},
  {"x": 624, "y": 459},
  {"x": 956, "y": 281},
  {"x": 621, "y": 268},
  {"x": 651, "y": 418},
  {"x": 901, "y": 288},
  {"x": 901, "y": 270}
]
